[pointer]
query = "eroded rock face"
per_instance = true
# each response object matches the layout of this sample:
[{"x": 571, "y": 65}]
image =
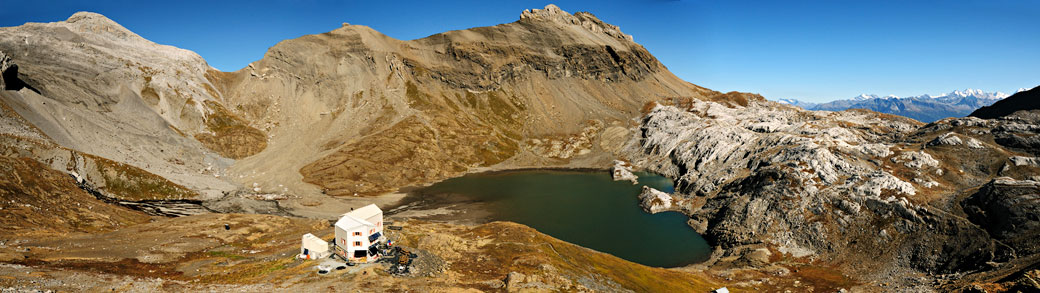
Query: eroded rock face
[
  {"x": 7, "y": 70},
  {"x": 93, "y": 86},
  {"x": 1009, "y": 210},
  {"x": 584, "y": 19},
  {"x": 823, "y": 183},
  {"x": 716, "y": 144},
  {"x": 762, "y": 163}
]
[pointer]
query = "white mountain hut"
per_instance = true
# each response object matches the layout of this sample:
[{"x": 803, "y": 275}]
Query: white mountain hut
[{"x": 358, "y": 234}]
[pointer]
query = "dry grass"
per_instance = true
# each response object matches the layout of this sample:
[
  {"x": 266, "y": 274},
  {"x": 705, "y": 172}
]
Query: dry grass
[
  {"x": 37, "y": 200},
  {"x": 419, "y": 149},
  {"x": 518, "y": 248},
  {"x": 231, "y": 136},
  {"x": 132, "y": 183}
]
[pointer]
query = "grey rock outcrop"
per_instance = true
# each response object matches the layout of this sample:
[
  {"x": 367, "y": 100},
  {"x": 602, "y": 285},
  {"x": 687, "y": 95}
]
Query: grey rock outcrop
[
  {"x": 623, "y": 171},
  {"x": 655, "y": 201},
  {"x": 584, "y": 19},
  {"x": 1009, "y": 210},
  {"x": 1025, "y": 161},
  {"x": 763, "y": 174}
]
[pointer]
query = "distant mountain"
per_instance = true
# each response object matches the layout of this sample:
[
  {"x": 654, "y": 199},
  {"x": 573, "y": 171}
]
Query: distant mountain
[
  {"x": 1022, "y": 100},
  {"x": 797, "y": 103},
  {"x": 924, "y": 108}
]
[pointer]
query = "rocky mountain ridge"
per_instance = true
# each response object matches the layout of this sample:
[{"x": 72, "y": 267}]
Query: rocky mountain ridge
[
  {"x": 534, "y": 92},
  {"x": 324, "y": 119},
  {"x": 1023, "y": 100},
  {"x": 925, "y": 108}
]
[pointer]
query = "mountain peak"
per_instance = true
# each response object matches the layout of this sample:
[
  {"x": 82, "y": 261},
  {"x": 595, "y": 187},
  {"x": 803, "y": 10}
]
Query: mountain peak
[
  {"x": 88, "y": 17},
  {"x": 553, "y": 13},
  {"x": 925, "y": 108},
  {"x": 550, "y": 11},
  {"x": 863, "y": 97},
  {"x": 97, "y": 23},
  {"x": 977, "y": 93}
]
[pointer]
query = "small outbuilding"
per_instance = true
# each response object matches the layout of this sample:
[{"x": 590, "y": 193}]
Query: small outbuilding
[{"x": 314, "y": 247}]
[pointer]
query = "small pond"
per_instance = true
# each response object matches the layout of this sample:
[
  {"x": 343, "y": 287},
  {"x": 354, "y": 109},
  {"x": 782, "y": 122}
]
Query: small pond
[{"x": 586, "y": 208}]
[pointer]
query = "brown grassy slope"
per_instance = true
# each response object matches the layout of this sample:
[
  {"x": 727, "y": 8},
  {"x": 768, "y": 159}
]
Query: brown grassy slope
[
  {"x": 37, "y": 200},
  {"x": 131, "y": 183},
  {"x": 519, "y": 248},
  {"x": 421, "y": 148},
  {"x": 114, "y": 179},
  {"x": 259, "y": 249},
  {"x": 229, "y": 135}
]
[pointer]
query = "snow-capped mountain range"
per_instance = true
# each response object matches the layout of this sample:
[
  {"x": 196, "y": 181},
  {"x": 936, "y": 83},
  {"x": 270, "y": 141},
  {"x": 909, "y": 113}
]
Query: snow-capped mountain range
[{"x": 924, "y": 108}]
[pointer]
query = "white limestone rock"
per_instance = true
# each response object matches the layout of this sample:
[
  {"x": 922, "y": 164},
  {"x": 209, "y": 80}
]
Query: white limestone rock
[
  {"x": 879, "y": 181},
  {"x": 716, "y": 144},
  {"x": 655, "y": 201},
  {"x": 953, "y": 139},
  {"x": 916, "y": 160},
  {"x": 926, "y": 183},
  {"x": 623, "y": 171},
  {"x": 1025, "y": 161},
  {"x": 974, "y": 143}
]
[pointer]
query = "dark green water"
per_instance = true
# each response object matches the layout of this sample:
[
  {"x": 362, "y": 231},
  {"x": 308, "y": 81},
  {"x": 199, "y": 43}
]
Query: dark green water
[{"x": 586, "y": 208}]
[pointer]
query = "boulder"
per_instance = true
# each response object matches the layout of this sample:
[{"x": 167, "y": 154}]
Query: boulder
[{"x": 514, "y": 280}]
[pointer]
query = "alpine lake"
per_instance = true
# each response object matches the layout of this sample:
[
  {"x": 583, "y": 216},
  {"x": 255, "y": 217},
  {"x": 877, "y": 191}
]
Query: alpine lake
[{"x": 586, "y": 208}]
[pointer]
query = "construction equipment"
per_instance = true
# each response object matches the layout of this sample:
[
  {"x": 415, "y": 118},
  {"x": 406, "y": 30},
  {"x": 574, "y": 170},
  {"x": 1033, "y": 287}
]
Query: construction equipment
[
  {"x": 402, "y": 261},
  {"x": 403, "y": 257}
]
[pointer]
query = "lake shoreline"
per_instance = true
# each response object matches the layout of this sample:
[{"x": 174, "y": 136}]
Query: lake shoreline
[
  {"x": 431, "y": 207},
  {"x": 517, "y": 195}
]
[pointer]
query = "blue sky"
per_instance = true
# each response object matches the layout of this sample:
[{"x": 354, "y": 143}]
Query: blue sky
[{"x": 809, "y": 50}]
